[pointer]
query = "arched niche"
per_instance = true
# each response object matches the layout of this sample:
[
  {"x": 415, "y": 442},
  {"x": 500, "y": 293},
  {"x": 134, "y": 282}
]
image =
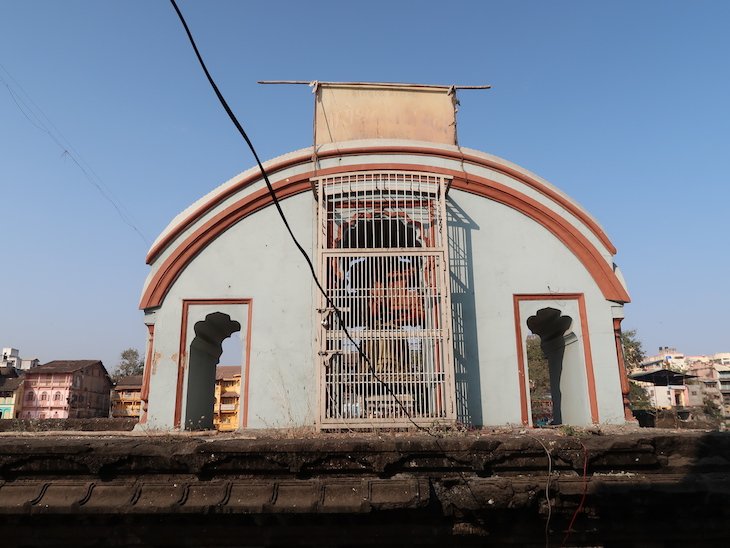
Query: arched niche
[
  {"x": 559, "y": 322},
  {"x": 205, "y": 352}
]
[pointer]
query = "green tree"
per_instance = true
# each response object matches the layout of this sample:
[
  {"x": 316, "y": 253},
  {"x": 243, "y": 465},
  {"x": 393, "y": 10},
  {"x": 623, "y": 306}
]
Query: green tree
[
  {"x": 633, "y": 356},
  {"x": 710, "y": 408},
  {"x": 638, "y": 396},
  {"x": 538, "y": 371},
  {"x": 633, "y": 350},
  {"x": 129, "y": 364},
  {"x": 537, "y": 368}
]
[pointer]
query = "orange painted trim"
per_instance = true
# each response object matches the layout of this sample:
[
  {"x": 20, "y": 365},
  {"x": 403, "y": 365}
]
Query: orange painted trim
[
  {"x": 622, "y": 372},
  {"x": 182, "y": 350},
  {"x": 590, "y": 375},
  {"x": 587, "y": 354},
  {"x": 196, "y": 242},
  {"x": 620, "y": 355},
  {"x": 305, "y": 158},
  {"x": 144, "y": 396},
  {"x": 521, "y": 369},
  {"x": 581, "y": 247},
  {"x": 246, "y": 381}
]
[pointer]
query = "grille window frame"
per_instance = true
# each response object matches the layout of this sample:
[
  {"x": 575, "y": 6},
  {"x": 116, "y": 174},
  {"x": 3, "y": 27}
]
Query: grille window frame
[{"x": 382, "y": 257}]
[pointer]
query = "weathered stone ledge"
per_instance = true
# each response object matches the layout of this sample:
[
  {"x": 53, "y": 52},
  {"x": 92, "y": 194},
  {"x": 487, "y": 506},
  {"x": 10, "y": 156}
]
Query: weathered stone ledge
[{"x": 432, "y": 489}]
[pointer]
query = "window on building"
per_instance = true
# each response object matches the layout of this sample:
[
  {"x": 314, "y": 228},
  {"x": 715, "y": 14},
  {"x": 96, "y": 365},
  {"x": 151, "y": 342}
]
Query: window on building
[
  {"x": 44, "y": 396},
  {"x": 30, "y": 396},
  {"x": 57, "y": 396},
  {"x": 383, "y": 258}
]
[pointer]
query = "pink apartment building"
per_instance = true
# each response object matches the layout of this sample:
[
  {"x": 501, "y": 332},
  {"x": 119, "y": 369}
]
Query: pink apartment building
[{"x": 66, "y": 389}]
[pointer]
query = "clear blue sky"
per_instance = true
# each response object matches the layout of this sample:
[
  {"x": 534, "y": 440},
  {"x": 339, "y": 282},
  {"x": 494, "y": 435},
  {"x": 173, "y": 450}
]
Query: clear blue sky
[{"x": 623, "y": 105}]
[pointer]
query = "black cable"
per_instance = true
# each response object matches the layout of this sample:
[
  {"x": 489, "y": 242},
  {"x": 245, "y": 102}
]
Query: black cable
[
  {"x": 272, "y": 192},
  {"x": 66, "y": 149}
]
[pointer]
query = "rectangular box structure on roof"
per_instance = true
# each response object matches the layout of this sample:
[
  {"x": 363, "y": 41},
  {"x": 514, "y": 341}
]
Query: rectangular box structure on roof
[{"x": 346, "y": 112}]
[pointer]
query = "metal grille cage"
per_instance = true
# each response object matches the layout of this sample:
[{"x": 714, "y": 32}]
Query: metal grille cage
[{"x": 383, "y": 261}]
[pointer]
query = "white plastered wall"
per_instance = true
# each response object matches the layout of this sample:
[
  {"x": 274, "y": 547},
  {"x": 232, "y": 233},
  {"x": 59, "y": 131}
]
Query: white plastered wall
[
  {"x": 511, "y": 254},
  {"x": 253, "y": 259},
  {"x": 505, "y": 253},
  {"x": 365, "y": 158}
]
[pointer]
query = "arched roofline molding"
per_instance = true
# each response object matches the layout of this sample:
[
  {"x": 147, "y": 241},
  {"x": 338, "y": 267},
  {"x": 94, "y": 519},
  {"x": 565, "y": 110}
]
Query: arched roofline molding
[
  {"x": 564, "y": 230},
  {"x": 305, "y": 156}
]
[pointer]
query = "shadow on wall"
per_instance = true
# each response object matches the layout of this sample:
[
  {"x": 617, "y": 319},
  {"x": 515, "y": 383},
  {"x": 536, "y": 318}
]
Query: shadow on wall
[
  {"x": 205, "y": 353},
  {"x": 464, "y": 320},
  {"x": 553, "y": 330}
]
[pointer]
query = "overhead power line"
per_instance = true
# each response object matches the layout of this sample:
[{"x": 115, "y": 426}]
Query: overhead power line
[
  {"x": 275, "y": 199},
  {"x": 36, "y": 117}
]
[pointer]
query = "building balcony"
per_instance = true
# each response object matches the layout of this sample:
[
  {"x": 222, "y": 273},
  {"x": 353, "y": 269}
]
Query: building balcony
[
  {"x": 48, "y": 384},
  {"x": 126, "y": 407}
]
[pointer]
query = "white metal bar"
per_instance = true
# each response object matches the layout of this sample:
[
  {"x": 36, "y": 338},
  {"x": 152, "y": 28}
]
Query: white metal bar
[
  {"x": 383, "y": 256},
  {"x": 445, "y": 87}
]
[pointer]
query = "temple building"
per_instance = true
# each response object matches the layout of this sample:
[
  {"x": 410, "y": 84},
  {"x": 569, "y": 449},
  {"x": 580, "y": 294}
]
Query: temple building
[{"x": 433, "y": 263}]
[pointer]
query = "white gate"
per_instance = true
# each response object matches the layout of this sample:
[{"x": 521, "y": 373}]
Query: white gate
[{"x": 383, "y": 262}]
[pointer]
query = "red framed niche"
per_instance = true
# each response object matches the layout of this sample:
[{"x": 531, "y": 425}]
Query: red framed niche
[
  {"x": 185, "y": 344},
  {"x": 587, "y": 355}
]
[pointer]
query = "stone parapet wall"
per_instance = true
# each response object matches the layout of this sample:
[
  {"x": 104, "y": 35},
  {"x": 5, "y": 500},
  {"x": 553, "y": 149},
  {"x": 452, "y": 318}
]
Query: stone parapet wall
[
  {"x": 347, "y": 489},
  {"x": 95, "y": 424}
]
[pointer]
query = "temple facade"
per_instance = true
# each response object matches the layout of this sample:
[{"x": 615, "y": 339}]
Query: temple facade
[{"x": 434, "y": 264}]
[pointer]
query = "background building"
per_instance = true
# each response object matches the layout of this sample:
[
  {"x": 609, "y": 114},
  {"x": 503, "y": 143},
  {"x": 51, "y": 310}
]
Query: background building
[
  {"x": 710, "y": 385},
  {"x": 11, "y": 392},
  {"x": 10, "y": 358},
  {"x": 706, "y": 385},
  {"x": 666, "y": 357},
  {"x": 30, "y": 363},
  {"x": 126, "y": 397},
  {"x": 723, "y": 377},
  {"x": 227, "y": 394},
  {"x": 66, "y": 389}
]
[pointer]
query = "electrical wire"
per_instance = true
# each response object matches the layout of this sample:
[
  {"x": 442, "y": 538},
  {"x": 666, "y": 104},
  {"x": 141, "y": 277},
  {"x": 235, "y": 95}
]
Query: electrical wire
[
  {"x": 583, "y": 498},
  {"x": 30, "y": 110},
  {"x": 547, "y": 489},
  {"x": 304, "y": 254},
  {"x": 70, "y": 148},
  {"x": 284, "y": 220}
]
